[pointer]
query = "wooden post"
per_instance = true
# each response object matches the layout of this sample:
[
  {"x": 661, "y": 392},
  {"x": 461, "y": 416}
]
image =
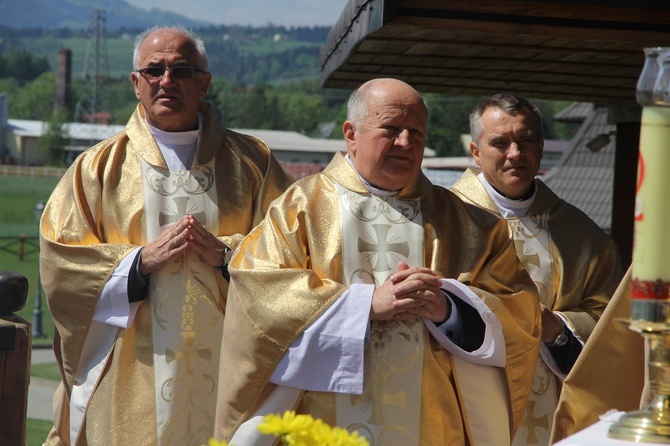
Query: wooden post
[
  {"x": 627, "y": 120},
  {"x": 22, "y": 246},
  {"x": 625, "y": 175},
  {"x": 15, "y": 352}
]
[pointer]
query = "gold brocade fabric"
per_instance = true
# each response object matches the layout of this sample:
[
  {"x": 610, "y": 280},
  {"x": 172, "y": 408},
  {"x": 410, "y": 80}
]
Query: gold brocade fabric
[
  {"x": 609, "y": 373},
  {"x": 289, "y": 270},
  {"x": 576, "y": 268},
  {"x": 94, "y": 218}
]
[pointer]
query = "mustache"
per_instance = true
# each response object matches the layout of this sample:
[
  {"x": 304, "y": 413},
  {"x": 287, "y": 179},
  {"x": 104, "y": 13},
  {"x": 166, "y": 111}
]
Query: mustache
[{"x": 162, "y": 92}]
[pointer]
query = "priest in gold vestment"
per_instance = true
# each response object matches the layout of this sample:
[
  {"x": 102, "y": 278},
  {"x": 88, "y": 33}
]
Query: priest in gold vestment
[
  {"x": 574, "y": 264},
  {"x": 133, "y": 242},
  {"x": 342, "y": 300},
  {"x": 609, "y": 374}
]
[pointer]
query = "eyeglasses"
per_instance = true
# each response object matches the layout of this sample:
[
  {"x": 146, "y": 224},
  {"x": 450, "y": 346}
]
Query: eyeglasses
[{"x": 178, "y": 72}]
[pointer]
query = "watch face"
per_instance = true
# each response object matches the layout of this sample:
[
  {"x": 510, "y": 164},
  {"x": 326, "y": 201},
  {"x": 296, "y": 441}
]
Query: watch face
[
  {"x": 227, "y": 255},
  {"x": 561, "y": 339}
]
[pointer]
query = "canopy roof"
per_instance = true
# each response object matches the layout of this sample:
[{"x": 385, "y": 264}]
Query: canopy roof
[{"x": 588, "y": 50}]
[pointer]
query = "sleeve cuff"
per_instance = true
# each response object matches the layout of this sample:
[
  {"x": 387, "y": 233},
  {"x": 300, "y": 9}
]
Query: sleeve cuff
[{"x": 138, "y": 286}]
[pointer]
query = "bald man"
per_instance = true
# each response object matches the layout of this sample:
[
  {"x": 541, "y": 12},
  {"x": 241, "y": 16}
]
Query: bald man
[
  {"x": 134, "y": 243},
  {"x": 365, "y": 285}
]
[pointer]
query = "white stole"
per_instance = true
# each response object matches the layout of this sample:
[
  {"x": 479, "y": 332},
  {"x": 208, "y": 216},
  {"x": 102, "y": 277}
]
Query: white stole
[
  {"x": 533, "y": 245},
  {"x": 187, "y": 322},
  {"x": 377, "y": 234}
]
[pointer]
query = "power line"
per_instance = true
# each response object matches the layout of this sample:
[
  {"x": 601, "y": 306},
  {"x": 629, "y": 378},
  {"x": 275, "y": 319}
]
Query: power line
[{"x": 95, "y": 70}]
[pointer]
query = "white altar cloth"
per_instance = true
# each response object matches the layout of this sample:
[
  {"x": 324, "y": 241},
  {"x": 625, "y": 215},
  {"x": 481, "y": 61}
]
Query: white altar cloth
[{"x": 596, "y": 434}]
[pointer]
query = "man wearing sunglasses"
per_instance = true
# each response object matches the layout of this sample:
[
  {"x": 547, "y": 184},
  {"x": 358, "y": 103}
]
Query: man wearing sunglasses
[{"x": 135, "y": 241}]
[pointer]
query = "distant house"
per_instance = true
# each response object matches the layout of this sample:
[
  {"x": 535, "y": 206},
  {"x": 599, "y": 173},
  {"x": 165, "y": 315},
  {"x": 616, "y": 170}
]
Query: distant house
[
  {"x": 21, "y": 142},
  {"x": 22, "y": 139},
  {"x": 581, "y": 171},
  {"x": 301, "y": 154}
]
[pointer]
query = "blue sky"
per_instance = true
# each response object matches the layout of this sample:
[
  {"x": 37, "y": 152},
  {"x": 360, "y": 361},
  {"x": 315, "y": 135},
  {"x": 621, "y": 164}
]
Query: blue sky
[{"x": 252, "y": 12}]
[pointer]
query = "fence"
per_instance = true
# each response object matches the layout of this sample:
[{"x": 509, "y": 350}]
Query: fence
[
  {"x": 31, "y": 171},
  {"x": 297, "y": 169},
  {"x": 17, "y": 245}
]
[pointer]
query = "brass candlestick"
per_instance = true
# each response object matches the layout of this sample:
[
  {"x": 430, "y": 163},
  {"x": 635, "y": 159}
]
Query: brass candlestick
[
  {"x": 650, "y": 296},
  {"x": 652, "y": 424}
]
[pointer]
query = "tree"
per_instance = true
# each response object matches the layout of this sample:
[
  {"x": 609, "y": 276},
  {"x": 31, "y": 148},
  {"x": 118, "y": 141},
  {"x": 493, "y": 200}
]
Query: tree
[
  {"x": 22, "y": 65},
  {"x": 302, "y": 112},
  {"x": 35, "y": 100},
  {"x": 53, "y": 141},
  {"x": 447, "y": 121}
]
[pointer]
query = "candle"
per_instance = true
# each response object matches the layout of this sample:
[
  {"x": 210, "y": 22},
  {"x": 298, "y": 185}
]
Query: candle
[{"x": 651, "y": 251}]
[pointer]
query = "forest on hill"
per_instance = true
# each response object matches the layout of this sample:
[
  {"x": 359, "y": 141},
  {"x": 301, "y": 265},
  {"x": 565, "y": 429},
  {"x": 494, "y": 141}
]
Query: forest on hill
[{"x": 263, "y": 77}]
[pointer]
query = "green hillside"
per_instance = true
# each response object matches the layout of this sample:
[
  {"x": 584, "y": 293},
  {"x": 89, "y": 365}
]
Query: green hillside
[
  {"x": 241, "y": 54},
  {"x": 76, "y": 14}
]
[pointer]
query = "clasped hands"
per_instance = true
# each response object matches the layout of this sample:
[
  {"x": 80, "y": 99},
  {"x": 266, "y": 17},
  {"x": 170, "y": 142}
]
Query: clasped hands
[
  {"x": 410, "y": 293},
  {"x": 187, "y": 233}
]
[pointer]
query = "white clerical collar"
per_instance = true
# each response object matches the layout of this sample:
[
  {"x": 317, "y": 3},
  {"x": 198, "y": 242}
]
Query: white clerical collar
[
  {"x": 373, "y": 190},
  {"x": 178, "y": 148},
  {"x": 508, "y": 207}
]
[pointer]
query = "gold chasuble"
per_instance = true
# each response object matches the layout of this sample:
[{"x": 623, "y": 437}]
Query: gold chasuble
[
  {"x": 576, "y": 269},
  {"x": 609, "y": 373},
  {"x": 327, "y": 232},
  {"x": 154, "y": 382}
]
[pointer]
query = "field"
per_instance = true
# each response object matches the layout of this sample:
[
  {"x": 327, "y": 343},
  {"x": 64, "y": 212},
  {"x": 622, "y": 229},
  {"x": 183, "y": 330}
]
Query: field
[
  {"x": 19, "y": 195},
  {"x": 115, "y": 53},
  {"x": 115, "y": 56}
]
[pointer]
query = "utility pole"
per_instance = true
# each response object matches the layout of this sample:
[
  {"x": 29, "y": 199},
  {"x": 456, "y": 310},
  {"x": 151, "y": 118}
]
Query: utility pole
[{"x": 95, "y": 70}]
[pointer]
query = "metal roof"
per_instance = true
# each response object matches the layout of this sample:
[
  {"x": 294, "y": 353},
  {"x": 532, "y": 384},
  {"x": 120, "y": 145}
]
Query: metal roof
[
  {"x": 585, "y": 178},
  {"x": 74, "y": 130},
  {"x": 575, "y": 112},
  {"x": 278, "y": 140}
]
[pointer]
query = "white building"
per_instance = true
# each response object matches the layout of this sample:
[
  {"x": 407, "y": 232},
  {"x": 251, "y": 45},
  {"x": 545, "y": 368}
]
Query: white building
[{"x": 302, "y": 154}]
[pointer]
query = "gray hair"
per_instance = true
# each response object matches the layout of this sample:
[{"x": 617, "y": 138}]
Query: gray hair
[
  {"x": 357, "y": 106},
  {"x": 509, "y": 103},
  {"x": 197, "y": 42}
]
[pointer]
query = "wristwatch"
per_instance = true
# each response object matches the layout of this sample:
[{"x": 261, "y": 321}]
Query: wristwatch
[
  {"x": 227, "y": 255},
  {"x": 561, "y": 339}
]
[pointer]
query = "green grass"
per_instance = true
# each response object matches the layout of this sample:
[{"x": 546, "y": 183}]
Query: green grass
[
  {"x": 18, "y": 196},
  {"x": 45, "y": 370},
  {"x": 37, "y": 431}
]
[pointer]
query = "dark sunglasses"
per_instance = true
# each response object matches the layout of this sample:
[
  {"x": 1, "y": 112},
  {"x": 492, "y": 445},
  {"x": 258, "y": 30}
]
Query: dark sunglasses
[{"x": 179, "y": 72}]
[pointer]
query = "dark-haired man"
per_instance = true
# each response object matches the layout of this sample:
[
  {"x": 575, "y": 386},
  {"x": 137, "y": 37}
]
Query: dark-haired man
[{"x": 574, "y": 264}]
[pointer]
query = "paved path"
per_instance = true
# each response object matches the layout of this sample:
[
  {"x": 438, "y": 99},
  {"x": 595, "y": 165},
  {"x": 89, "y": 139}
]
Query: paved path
[{"x": 41, "y": 391}]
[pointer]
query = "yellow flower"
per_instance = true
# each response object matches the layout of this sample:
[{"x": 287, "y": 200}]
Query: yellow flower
[
  {"x": 303, "y": 430},
  {"x": 289, "y": 423},
  {"x": 213, "y": 442}
]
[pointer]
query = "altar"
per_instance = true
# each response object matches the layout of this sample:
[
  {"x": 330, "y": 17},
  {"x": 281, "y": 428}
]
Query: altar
[{"x": 596, "y": 434}]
